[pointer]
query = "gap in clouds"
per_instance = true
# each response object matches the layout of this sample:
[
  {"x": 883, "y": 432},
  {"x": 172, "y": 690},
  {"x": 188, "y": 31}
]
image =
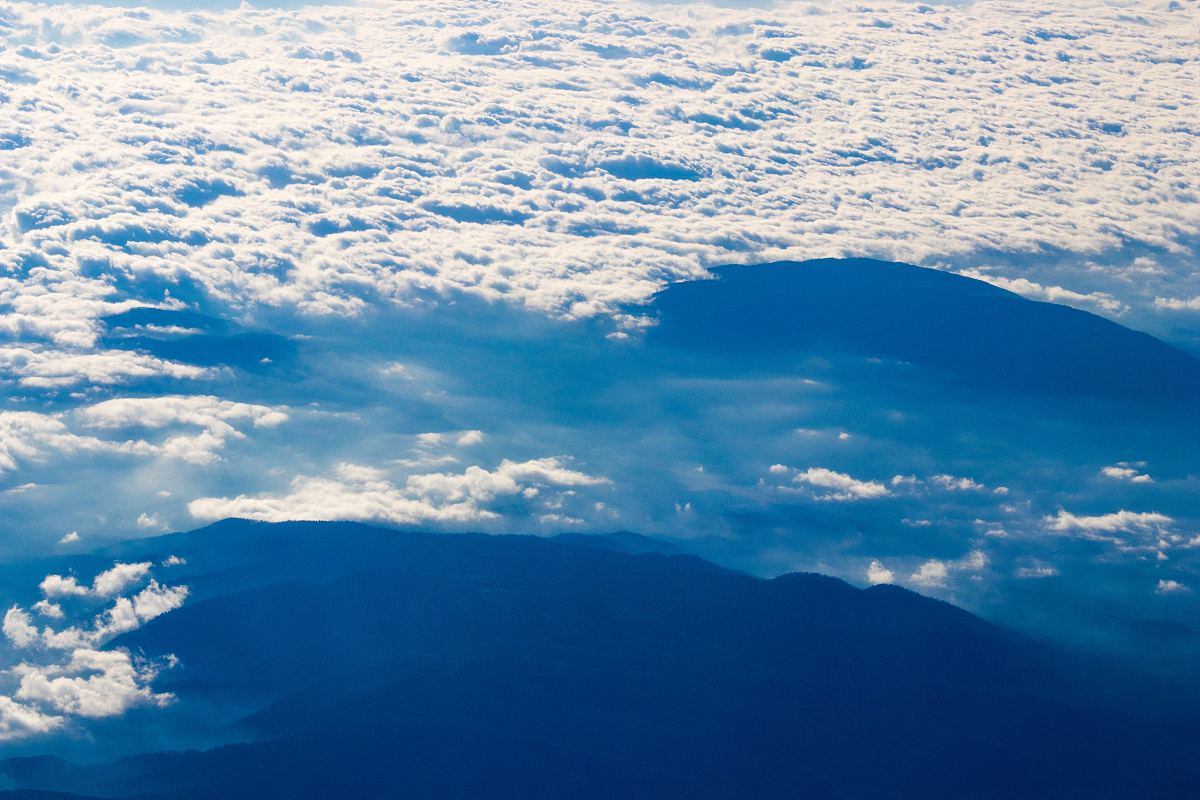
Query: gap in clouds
[{"x": 771, "y": 455}]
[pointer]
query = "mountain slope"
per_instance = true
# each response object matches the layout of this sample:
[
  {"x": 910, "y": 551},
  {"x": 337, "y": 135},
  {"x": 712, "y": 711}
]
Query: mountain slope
[
  {"x": 475, "y": 666},
  {"x": 986, "y": 336}
]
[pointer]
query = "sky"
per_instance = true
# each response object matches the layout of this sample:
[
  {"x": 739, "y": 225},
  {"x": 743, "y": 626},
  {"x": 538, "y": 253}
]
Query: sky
[{"x": 399, "y": 263}]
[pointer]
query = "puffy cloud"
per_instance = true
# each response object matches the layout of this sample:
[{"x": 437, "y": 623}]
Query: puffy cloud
[
  {"x": 933, "y": 572},
  {"x": 64, "y": 674},
  {"x": 91, "y": 684},
  {"x": 109, "y": 583},
  {"x": 114, "y": 581},
  {"x": 214, "y": 416},
  {"x": 21, "y": 721},
  {"x": 1037, "y": 571},
  {"x": 1169, "y": 586},
  {"x": 355, "y": 492},
  {"x": 31, "y": 436},
  {"x": 18, "y": 628},
  {"x": 1091, "y": 301},
  {"x": 1177, "y": 303},
  {"x": 936, "y": 572},
  {"x": 1107, "y": 524},
  {"x": 1126, "y": 472},
  {"x": 842, "y": 487},
  {"x": 39, "y": 367},
  {"x": 877, "y": 573}
]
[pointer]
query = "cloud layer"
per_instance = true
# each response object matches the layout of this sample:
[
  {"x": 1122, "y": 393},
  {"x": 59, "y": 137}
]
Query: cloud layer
[{"x": 570, "y": 158}]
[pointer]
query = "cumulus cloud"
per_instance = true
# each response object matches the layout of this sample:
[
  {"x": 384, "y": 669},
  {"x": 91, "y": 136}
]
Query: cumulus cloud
[
  {"x": 839, "y": 486},
  {"x": 355, "y": 492},
  {"x": 1124, "y": 471},
  {"x": 1092, "y": 301},
  {"x": 1169, "y": 586},
  {"x": 214, "y": 416},
  {"x": 1037, "y": 571},
  {"x": 877, "y": 573},
  {"x": 39, "y": 367},
  {"x": 1177, "y": 303},
  {"x": 935, "y": 572},
  {"x": 64, "y": 673},
  {"x": 31, "y": 436},
  {"x": 1105, "y": 525}
]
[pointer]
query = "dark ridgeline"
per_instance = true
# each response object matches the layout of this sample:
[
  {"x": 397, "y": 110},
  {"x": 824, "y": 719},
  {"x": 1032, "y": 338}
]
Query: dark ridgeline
[
  {"x": 390, "y": 664},
  {"x": 986, "y": 337}
]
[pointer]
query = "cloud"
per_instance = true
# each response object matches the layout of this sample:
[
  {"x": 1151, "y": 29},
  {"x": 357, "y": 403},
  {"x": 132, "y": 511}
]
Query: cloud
[
  {"x": 109, "y": 583},
  {"x": 877, "y": 573},
  {"x": 21, "y": 721},
  {"x": 214, "y": 416},
  {"x": 92, "y": 684},
  {"x": 1098, "y": 525},
  {"x": 355, "y": 492},
  {"x": 935, "y": 572},
  {"x": 39, "y": 367},
  {"x": 539, "y": 180},
  {"x": 1168, "y": 586},
  {"x": 64, "y": 674},
  {"x": 31, "y": 436},
  {"x": 1092, "y": 301},
  {"x": 1037, "y": 571},
  {"x": 842, "y": 487},
  {"x": 931, "y": 573},
  {"x": 1123, "y": 471},
  {"x": 1177, "y": 303}
]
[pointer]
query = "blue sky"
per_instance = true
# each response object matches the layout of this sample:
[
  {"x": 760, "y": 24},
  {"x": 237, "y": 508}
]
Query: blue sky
[{"x": 398, "y": 263}]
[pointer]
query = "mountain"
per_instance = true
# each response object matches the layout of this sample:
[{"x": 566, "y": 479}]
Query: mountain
[
  {"x": 985, "y": 336},
  {"x": 374, "y": 662}
]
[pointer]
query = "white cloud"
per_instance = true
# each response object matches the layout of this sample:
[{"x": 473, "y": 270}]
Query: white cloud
[
  {"x": 957, "y": 484},
  {"x": 842, "y": 487},
  {"x": 933, "y": 572},
  {"x": 29, "y": 436},
  {"x": 116, "y": 580},
  {"x": 365, "y": 493},
  {"x": 39, "y": 367},
  {"x": 1168, "y": 586},
  {"x": 149, "y": 522},
  {"x": 64, "y": 675},
  {"x": 92, "y": 684},
  {"x": 1177, "y": 303},
  {"x": 214, "y": 416},
  {"x": 108, "y": 583},
  {"x": 1092, "y": 301},
  {"x": 536, "y": 178},
  {"x": 936, "y": 572},
  {"x": 1125, "y": 472},
  {"x": 877, "y": 573},
  {"x": 20, "y": 721},
  {"x": 1105, "y": 525},
  {"x": 18, "y": 628},
  {"x": 468, "y": 438}
]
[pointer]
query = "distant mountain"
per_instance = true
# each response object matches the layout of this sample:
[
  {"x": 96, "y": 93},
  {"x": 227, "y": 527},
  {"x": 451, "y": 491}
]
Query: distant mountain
[
  {"x": 381, "y": 663},
  {"x": 985, "y": 336}
]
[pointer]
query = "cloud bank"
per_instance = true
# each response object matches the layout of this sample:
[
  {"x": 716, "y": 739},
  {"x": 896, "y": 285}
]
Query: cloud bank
[{"x": 569, "y": 158}]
